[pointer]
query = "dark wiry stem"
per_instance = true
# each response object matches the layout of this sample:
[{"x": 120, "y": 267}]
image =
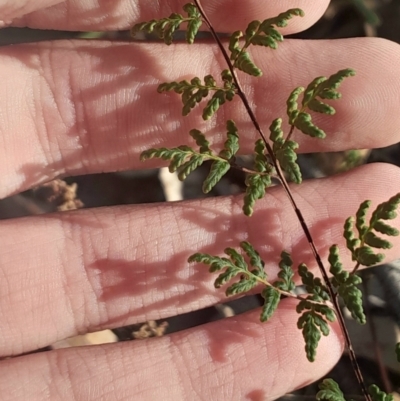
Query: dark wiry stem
[{"x": 299, "y": 215}]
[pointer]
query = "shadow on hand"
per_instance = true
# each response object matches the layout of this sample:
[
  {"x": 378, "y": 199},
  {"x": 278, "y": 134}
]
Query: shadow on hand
[{"x": 110, "y": 115}]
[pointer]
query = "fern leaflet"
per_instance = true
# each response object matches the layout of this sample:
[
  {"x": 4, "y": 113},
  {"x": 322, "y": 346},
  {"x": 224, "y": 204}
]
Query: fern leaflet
[
  {"x": 314, "y": 316},
  {"x": 195, "y": 91},
  {"x": 165, "y": 28},
  {"x": 361, "y": 245},
  {"x": 319, "y": 89},
  {"x": 258, "y": 34},
  {"x": 346, "y": 285},
  {"x": 329, "y": 391},
  {"x": 185, "y": 160},
  {"x": 258, "y": 182},
  {"x": 284, "y": 151}
]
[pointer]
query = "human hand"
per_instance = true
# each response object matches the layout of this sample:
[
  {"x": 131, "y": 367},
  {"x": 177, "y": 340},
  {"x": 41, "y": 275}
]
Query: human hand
[{"x": 74, "y": 107}]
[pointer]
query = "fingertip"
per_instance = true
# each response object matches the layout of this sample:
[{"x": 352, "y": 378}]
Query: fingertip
[
  {"x": 9, "y": 10},
  {"x": 227, "y": 15},
  {"x": 243, "y": 12}
]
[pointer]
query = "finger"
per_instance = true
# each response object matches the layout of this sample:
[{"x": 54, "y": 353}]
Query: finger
[
  {"x": 71, "y": 108},
  {"x": 10, "y": 9},
  {"x": 236, "y": 358},
  {"x": 227, "y": 15},
  {"x": 73, "y": 273}
]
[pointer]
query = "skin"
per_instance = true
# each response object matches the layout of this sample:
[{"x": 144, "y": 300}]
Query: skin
[{"x": 73, "y": 107}]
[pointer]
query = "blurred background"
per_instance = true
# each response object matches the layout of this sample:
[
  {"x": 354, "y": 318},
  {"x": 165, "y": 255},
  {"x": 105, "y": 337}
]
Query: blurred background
[{"x": 375, "y": 346}]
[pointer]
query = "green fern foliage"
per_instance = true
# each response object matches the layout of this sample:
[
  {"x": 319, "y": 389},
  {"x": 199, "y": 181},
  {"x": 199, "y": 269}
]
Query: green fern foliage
[
  {"x": 259, "y": 181},
  {"x": 185, "y": 160},
  {"x": 258, "y": 34},
  {"x": 286, "y": 273},
  {"x": 221, "y": 166},
  {"x": 240, "y": 271},
  {"x": 284, "y": 151},
  {"x": 165, "y": 28},
  {"x": 241, "y": 58},
  {"x": 346, "y": 285},
  {"x": 248, "y": 277},
  {"x": 271, "y": 301},
  {"x": 313, "y": 285},
  {"x": 313, "y": 324},
  {"x": 378, "y": 395},
  {"x": 285, "y": 282},
  {"x": 386, "y": 211},
  {"x": 182, "y": 158},
  {"x": 319, "y": 89},
  {"x": 235, "y": 266},
  {"x": 314, "y": 313},
  {"x": 362, "y": 245},
  {"x": 195, "y": 91},
  {"x": 329, "y": 391}
]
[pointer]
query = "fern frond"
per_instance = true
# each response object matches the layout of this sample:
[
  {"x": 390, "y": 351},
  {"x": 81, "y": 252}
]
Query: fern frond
[
  {"x": 313, "y": 323},
  {"x": 182, "y": 159},
  {"x": 192, "y": 92},
  {"x": 286, "y": 273},
  {"x": 271, "y": 301},
  {"x": 165, "y": 28},
  {"x": 201, "y": 141},
  {"x": 244, "y": 63},
  {"x": 240, "y": 57},
  {"x": 329, "y": 391},
  {"x": 305, "y": 124},
  {"x": 267, "y": 34},
  {"x": 366, "y": 256},
  {"x": 351, "y": 241},
  {"x": 383, "y": 228},
  {"x": 314, "y": 316},
  {"x": 186, "y": 168},
  {"x": 217, "y": 170},
  {"x": 313, "y": 285},
  {"x": 194, "y": 22},
  {"x": 361, "y": 218},
  {"x": 256, "y": 184},
  {"x": 386, "y": 211},
  {"x": 221, "y": 166},
  {"x": 185, "y": 160},
  {"x": 284, "y": 151},
  {"x": 242, "y": 286},
  {"x": 346, "y": 285},
  {"x": 255, "y": 259},
  {"x": 258, "y": 33},
  {"x": 378, "y": 395},
  {"x": 285, "y": 283},
  {"x": 231, "y": 145},
  {"x": 311, "y": 333},
  {"x": 234, "y": 44},
  {"x": 361, "y": 246},
  {"x": 177, "y": 156},
  {"x": 319, "y": 89},
  {"x": 235, "y": 266},
  {"x": 292, "y": 106},
  {"x": 261, "y": 163},
  {"x": 282, "y": 19},
  {"x": 195, "y": 91}
]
